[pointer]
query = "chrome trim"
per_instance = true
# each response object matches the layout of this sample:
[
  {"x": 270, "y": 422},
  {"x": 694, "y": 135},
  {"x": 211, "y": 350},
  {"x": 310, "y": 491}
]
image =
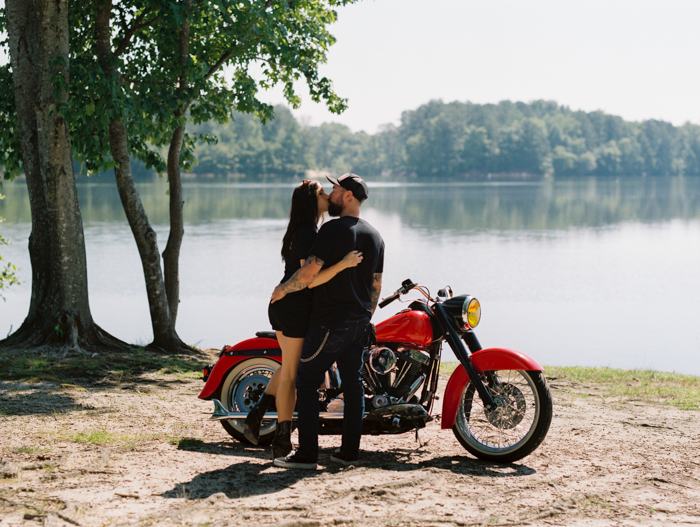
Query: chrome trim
[
  {"x": 416, "y": 355},
  {"x": 414, "y": 389},
  {"x": 220, "y": 413}
]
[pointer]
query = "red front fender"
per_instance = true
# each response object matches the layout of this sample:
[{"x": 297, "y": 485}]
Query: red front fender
[
  {"x": 232, "y": 355},
  {"x": 484, "y": 360}
]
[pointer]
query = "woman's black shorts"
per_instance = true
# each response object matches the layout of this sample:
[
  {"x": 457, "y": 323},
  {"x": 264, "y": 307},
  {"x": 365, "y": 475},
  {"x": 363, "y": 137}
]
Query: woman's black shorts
[{"x": 291, "y": 314}]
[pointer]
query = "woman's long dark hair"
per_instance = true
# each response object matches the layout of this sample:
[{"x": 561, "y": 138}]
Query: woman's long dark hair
[{"x": 304, "y": 210}]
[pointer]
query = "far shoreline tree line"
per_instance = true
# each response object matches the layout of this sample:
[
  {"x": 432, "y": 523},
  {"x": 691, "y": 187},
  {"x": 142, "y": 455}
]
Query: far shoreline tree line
[{"x": 449, "y": 140}]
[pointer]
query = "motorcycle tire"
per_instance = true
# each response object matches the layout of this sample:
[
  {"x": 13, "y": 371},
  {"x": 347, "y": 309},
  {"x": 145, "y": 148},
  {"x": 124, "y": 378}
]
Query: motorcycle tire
[
  {"x": 242, "y": 388},
  {"x": 518, "y": 424}
]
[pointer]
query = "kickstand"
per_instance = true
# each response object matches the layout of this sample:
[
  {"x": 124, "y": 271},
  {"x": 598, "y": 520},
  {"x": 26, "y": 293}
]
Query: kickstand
[{"x": 421, "y": 444}]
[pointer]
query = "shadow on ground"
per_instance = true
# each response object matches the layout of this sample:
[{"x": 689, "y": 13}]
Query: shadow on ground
[{"x": 235, "y": 480}]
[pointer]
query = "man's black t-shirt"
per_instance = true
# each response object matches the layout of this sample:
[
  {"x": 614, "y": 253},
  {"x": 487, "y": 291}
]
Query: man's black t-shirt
[{"x": 347, "y": 295}]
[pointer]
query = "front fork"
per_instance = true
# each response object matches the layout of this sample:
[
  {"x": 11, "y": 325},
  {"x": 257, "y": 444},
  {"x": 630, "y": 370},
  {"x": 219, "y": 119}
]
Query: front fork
[{"x": 463, "y": 352}]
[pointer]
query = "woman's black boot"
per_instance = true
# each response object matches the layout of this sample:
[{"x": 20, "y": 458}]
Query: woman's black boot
[
  {"x": 282, "y": 443},
  {"x": 251, "y": 425}
]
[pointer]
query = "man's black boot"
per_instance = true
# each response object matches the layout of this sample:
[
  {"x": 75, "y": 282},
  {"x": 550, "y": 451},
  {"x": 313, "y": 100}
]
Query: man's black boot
[
  {"x": 282, "y": 443},
  {"x": 251, "y": 425}
]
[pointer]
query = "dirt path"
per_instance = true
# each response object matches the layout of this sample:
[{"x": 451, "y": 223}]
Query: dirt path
[{"x": 121, "y": 453}]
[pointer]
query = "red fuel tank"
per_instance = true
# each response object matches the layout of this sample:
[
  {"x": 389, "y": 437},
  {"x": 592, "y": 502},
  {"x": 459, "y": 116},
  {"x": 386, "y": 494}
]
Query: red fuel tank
[{"x": 408, "y": 326}]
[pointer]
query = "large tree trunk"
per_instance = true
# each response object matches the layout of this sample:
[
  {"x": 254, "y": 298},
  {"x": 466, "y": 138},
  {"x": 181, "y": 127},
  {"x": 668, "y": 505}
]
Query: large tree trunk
[
  {"x": 59, "y": 313},
  {"x": 165, "y": 337},
  {"x": 171, "y": 255}
]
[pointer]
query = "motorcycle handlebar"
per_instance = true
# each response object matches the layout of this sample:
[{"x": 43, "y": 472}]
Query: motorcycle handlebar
[
  {"x": 406, "y": 286},
  {"x": 388, "y": 300}
]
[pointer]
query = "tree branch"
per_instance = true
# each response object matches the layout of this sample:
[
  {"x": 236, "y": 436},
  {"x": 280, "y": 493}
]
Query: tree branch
[
  {"x": 230, "y": 53},
  {"x": 184, "y": 46},
  {"x": 122, "y": 19},
  {"x": 130, "y": 32}
]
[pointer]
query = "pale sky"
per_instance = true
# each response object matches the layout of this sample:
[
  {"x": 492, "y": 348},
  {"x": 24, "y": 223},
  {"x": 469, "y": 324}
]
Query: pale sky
[{"x": 637, "y": 59}]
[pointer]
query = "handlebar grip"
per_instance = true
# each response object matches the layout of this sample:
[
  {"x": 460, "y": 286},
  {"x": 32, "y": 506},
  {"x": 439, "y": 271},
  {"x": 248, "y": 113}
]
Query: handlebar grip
[{"x": 388, "y": 300}]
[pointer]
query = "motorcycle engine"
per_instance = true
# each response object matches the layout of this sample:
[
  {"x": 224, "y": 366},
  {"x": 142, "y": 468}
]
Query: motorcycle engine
[{"x": 397, "y": 383}]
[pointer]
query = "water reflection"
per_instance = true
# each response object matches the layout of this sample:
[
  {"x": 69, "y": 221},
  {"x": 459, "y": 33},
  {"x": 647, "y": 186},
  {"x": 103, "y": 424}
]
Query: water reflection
[
  {"x": 591, "y": 272},
  {"x": 549, "y": 205}
]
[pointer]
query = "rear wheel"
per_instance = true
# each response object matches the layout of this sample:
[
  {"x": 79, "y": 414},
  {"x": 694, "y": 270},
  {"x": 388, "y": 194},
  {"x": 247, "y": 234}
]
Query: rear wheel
[
  {"x": 241, "y": 389},
  {"x": 518, "y": 423}
]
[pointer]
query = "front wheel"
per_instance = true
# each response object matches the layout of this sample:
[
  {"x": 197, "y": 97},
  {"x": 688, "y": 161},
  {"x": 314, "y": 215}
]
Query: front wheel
[
  {"x": 241, "y": 389},
  {"x": 518, "y": 423}
]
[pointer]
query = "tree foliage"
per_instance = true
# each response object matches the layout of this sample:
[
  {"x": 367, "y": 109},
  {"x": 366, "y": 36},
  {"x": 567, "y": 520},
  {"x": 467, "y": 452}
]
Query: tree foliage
[{"x": 235, "y": 50}]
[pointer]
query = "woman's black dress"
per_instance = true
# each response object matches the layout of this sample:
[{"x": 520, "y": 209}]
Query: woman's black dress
[{"x": 291, "y": 314}]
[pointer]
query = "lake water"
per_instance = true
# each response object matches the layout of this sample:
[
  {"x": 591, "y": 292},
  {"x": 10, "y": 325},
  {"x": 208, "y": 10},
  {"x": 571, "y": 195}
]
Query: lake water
[{"x": 590, "y": 272}]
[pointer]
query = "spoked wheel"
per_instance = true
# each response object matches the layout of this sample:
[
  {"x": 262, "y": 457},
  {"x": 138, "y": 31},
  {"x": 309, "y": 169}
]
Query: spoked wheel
[
  {"x": 241, "y": 389},
  {"x": 518, "y": 423}
]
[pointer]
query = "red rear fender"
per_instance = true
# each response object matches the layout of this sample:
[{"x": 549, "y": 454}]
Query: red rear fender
[
  {"x": 232, "y": 355},
  {"x": 484, "y": 360}
]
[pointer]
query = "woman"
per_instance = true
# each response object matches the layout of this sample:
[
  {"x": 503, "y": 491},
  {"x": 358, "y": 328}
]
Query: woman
[{"x": 290, "y": 316}]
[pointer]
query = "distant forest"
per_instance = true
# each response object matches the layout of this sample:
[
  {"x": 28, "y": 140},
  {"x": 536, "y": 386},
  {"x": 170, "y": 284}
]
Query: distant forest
[{"x": 453, "y": 140}]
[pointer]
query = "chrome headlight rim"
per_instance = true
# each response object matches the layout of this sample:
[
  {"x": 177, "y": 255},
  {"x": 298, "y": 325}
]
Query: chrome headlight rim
[{"x": 471, "y": 312}]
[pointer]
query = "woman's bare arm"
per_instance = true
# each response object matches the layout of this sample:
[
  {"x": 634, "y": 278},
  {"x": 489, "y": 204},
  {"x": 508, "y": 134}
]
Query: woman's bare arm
[{"x": 352, "y": 259}]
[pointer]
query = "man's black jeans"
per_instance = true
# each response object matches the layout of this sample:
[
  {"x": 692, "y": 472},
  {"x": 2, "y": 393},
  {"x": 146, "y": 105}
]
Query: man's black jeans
[{"x": 324, "y": 346}]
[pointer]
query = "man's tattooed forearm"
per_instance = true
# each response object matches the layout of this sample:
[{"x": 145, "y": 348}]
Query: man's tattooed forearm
[{"x": 375, "y": 290}]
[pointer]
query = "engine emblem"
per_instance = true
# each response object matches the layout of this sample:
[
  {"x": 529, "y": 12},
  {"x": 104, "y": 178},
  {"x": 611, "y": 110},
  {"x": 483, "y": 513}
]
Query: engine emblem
[
  {"x": 382, "y": 361},
  {"x": 380, "y": 400}
]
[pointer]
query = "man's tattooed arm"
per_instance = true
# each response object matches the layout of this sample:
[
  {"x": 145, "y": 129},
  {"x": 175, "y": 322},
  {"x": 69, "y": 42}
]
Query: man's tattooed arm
[
  {"x": 375, "y": 290},
  {"x": 299, "y": 280}
]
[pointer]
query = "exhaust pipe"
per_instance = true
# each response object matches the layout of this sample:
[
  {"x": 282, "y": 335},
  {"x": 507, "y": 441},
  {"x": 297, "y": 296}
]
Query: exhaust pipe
[{"x": 220, "y": 413}]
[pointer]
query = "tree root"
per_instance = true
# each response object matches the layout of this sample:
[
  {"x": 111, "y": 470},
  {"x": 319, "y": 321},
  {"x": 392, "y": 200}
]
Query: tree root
[{"x": 40, "y": 513}]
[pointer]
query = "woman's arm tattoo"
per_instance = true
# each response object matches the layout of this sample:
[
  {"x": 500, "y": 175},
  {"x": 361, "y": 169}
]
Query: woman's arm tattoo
[
  {"x": 295, "y": 284},
  {"x": 314, "y": 259}
]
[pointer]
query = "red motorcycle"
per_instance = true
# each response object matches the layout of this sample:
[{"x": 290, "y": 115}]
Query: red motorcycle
[{"x": 497, "y": 401}]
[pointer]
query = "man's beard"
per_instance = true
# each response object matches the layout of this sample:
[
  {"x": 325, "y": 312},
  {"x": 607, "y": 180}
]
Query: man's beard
[{"x": 334, "y": 209}]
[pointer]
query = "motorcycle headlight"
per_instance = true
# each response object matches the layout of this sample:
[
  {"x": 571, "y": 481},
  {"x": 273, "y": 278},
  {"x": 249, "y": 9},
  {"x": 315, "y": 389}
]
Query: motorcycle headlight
[{"x": 471, "y": 312}]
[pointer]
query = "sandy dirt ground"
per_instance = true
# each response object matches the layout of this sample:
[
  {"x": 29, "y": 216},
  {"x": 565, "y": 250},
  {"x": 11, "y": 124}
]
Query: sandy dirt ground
[{"x": 142, "y": 452}]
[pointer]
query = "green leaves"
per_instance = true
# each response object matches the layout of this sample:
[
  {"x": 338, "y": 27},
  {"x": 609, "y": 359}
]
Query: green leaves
[{"x": 153, "y": 91}]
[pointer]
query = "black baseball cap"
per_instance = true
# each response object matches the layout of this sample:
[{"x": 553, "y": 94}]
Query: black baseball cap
[{"x": 354, "y": 183}]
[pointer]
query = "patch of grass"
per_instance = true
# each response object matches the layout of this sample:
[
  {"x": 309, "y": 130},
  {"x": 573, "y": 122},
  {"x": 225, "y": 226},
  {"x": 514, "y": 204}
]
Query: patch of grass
[
  {"x": 104, "y": 437},
  {"x": 98, "y": 437},
  {"x": 30, "y": 449},
  {"x": 593, "y": 502},
  {"x": 448, "y": 367},
  {"x": 181, "y": 373},
  {"x": 80, "y": 366},
  {"x": 674, "y": 389},
  {"x": 189, "y": 443},
  {"x": 649, "y": 386}
]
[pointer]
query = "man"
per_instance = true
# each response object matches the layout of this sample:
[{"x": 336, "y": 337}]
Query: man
[{"x": 339, "y": 324}]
